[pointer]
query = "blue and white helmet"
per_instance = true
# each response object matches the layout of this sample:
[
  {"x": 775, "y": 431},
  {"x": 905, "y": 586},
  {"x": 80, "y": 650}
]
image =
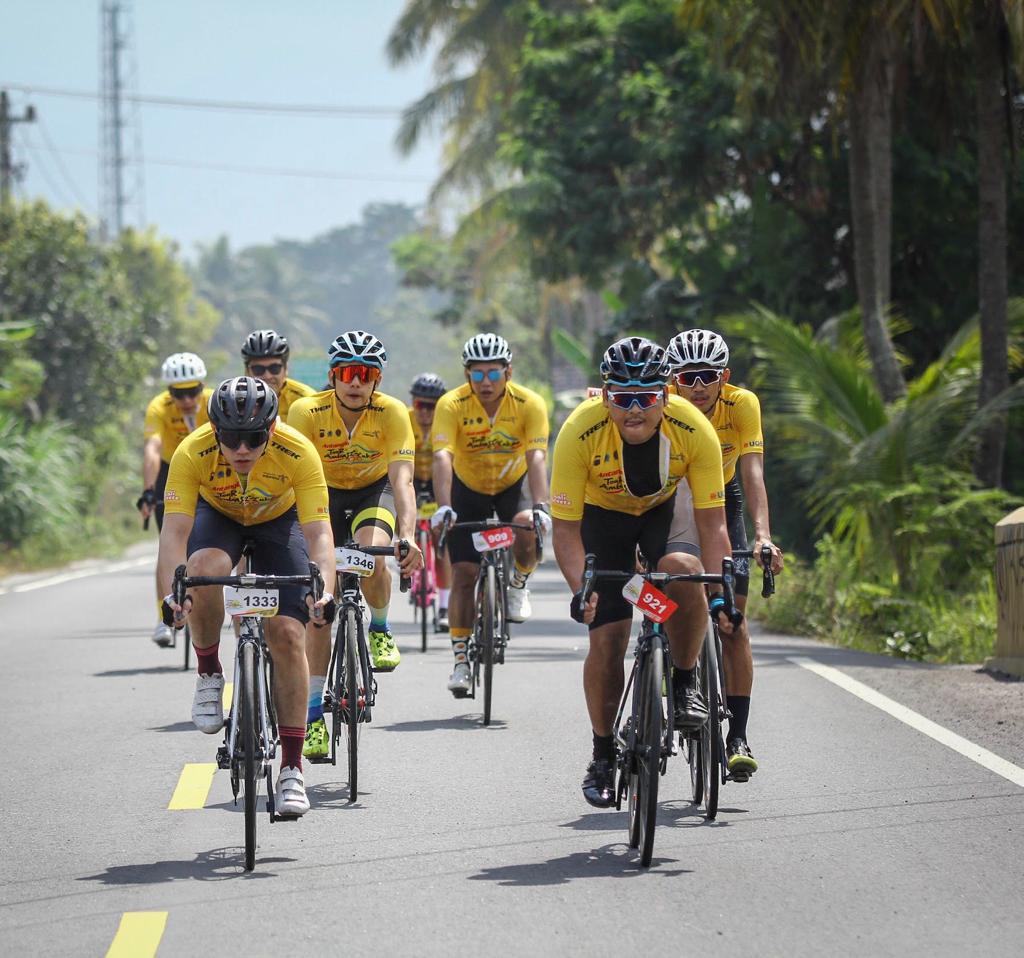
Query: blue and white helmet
[{"x": 357, "y": 346}]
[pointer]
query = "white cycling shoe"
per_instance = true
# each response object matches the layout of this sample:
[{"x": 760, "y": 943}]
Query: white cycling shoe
[
  {"x": 519, "y": 608},
  {"x": 290, "y": 793},
  {"x": 208, "y": 704},
  {"x": 460, "y": 681},
  {"x": 163, "y": 635}
]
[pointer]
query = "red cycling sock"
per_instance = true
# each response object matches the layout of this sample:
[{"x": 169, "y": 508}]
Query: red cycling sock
[
  {"x": 291, "y": 746},
  {"x": 207, "y": 660}
]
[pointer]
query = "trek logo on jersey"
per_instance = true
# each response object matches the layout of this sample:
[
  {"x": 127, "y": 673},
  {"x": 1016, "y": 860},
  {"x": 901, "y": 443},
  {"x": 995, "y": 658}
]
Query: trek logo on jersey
[
  {"x": 285, "y": 450},
  {"x": 593, "y": 429}
]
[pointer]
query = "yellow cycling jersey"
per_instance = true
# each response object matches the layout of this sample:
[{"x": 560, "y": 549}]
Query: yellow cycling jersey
[
  {"x": 490, "y": 455},
  {"x": 290, "y": 391},
  {"x": 737, "y": 420},
  {"x": 164, "y": 419},
  {"x": 288, "y": 474},
  {"x": 587, "y": 465},
  {"x": 423, "y": 467},
  {"x": 381, "y": 436}
]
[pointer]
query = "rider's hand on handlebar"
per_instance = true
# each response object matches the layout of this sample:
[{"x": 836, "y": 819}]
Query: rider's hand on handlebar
[
  {"x": 728, "y": 619},
  {"x": 174, "y": 615},
  {"x": 542, "y": 518},
  {"x": 444, "y": 516},
  {"x": 322, "y": 612},
  {"x": 146, "y": 502},
  {"x": 583, "y": 613},
  {"x": 411, "y": 560},
  {"x": 777, "y": 560}
]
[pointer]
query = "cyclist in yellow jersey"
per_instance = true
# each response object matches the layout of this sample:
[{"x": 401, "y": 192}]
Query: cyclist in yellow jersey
[
  {"x": 246, "y": 475},
  {"x": 488, "y": 435},
  {"x": 426, "y": 390},
  {"x": 700, "y": 359},
  {"x": 365, "y": 441},
  {"x": 170, "y": 417},
  {"x": 618, "y": 461},
  {"x": 265, "y": 354}
]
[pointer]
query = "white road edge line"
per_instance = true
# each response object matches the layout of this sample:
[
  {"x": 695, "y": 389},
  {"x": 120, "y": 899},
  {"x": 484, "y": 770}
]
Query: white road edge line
[
  {"x": 944, "y": 736},
  {"x": 69, "y": 576}
]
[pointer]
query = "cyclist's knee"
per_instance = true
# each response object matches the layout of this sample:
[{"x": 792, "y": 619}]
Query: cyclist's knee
[
  {"x": 287, "y": 637},
  {"x": 680, "y": 563},
  {"x": 209, "y": 562}
]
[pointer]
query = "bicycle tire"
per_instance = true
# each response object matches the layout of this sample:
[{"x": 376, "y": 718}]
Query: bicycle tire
[
  {"x": 351, "y": 690},
  {"x": 711, "y": 736},
  {"x": 336, "y": 671},
  {"x": 424, "y": 590},
  {"x": 247, "y": 732},
  {"x": 488, "y": 612},
  {"x": 188, "y": 647},
  {"x": 646, "y": 770}
]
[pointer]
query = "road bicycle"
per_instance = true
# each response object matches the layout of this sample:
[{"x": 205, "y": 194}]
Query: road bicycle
[
  {"x": 423, "y": 593},
  {"x": 351, "y": 691},
  {"x": 704, "y": 748},
  {"x": 487, "y": 643},
  {"x": 643, "y": 727},
  {"x": 251, "y": 731}
]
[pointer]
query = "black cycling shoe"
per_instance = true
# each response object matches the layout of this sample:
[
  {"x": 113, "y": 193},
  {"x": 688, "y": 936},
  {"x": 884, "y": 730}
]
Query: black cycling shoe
[
  {"x": 691, "y": 711},
  {"x": 739, "y": 760},
  {"x": 599, "y": 784}
]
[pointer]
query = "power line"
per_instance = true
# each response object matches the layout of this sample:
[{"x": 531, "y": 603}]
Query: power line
[
  {"x": 264, "y": 170},
  {"x": 229, "y": 106},
  {"x": 44, "y": 171},
  {"x": 61, "y": 168}
]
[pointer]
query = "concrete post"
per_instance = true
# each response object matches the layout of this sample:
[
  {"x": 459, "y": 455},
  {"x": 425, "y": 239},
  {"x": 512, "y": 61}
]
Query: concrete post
[{"x": 1008, "y": 655}]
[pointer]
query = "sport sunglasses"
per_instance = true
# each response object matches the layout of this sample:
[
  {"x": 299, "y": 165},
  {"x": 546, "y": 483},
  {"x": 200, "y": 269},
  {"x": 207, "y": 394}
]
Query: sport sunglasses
[
  {"x": 494, "y": 375},
  {"x": 627, "y": 400},
  {"x": 260, "y": 369},
  {"x": 186, "y": 392},
  {"x": 366, "y": 374},
  {"x": 233, "y": 438},
  {"x": 705, "y": 377},
  {"x": 423, "y": 404}
]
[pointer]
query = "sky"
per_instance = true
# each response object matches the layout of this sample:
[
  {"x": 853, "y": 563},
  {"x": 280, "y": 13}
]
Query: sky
[{"x": 317, "y": 52}]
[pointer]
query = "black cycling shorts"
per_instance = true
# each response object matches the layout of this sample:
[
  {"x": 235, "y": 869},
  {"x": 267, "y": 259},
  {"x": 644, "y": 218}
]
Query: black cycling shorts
[
  {"x": 472, "y": 506},
  {"x": 158, "y": 491},
  {"x": 351, "y": 509},
  {"x": 613, "y": 537},
  {"x": 280, "y": 549}
]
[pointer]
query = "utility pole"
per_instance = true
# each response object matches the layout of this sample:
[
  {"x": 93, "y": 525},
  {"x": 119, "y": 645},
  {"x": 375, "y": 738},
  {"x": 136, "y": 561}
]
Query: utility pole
[{"x": 8, "y": 170}]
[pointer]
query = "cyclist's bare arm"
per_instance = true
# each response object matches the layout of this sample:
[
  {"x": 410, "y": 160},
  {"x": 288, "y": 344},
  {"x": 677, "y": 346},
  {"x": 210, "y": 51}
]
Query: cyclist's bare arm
[
  {"x": 150, "y": 467},
  {"x": 400, "y": 476},
  {"x": 537, "y": 475},
  {"x": 320, "y": 545},
  {"x": 443, "y": 478},
  {"x": 570, "y": 555},
  {"x": 752, "y": 473},
  {"x": 173, "y": 545},
  {"x": 714, "y": 547}
]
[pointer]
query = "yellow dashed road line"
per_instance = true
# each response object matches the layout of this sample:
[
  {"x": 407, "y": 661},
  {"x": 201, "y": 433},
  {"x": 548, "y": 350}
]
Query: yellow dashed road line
[
  {"x": 138, "y": 935},
  {"x": 193, "y": 786}
]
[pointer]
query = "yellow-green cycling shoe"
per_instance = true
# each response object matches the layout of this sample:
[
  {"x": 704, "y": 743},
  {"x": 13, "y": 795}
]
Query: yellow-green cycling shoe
[
  {"x": 317, "y": 744},
  {"x": 739, "y": 760},
  {"x": 383, "y": 651}
]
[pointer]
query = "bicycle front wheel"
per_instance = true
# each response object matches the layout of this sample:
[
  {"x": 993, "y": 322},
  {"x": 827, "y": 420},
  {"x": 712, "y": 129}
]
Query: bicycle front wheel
[
  {"x": 487, "y": 612},
  {"x": 247, "y": 736},
  {"x": 646, "y": 765},
  {"x": 188, "y": 647},
  {"x": 424, "y": 590},
  {"x": 711, "y": 734},
  {"x": 351, "y": 692}
]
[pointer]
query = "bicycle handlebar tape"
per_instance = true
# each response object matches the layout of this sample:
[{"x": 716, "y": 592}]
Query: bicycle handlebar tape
[
  {"x": 768, "y": 579},
  {"x": 179, "y": 585},
  {"x": 404, "y": 581}
]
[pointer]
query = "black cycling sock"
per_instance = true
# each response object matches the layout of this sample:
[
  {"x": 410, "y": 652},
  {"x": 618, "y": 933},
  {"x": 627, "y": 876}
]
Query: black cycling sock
[
  {"x": 739, "y": 705},
  {"x": 682, "y": 679},
  {"x": 604, "y": 747}
]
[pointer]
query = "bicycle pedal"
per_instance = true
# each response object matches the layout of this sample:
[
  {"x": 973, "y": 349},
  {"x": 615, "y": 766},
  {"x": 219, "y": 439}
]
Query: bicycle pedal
[
  {"x": 383, "y": 668},
  {"x": 317, "y": 760},
  {"x": 223, "y": 759}
]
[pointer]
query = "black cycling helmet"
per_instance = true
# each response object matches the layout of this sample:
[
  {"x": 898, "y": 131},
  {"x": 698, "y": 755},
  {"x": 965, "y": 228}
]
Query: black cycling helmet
[
  {"x": 243, "y": 404},
  {"x": 428, "y": 386},
  {"x": 635, "y": 361},
  {"x": 265, "y": 342}
]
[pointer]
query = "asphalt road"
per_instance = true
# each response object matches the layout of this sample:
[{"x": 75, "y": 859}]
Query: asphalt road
[{"x": 860, "y": 835}]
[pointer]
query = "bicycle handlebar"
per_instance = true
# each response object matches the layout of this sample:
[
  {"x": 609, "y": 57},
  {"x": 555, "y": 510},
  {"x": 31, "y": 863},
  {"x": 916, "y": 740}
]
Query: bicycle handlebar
[
  {"x": 533, "y": 527},
  {"x": 183, "y": 582},
  {"x": 404, "y": 581}
]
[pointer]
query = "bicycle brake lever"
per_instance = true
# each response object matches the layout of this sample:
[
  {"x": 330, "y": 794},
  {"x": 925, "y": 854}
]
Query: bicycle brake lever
[
  {"x": 404, "y": 581},
  {"x": 768, "y": 577}
]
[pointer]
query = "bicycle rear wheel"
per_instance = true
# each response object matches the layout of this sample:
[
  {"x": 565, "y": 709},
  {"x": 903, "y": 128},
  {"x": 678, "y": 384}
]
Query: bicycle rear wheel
[
  {"x": 711, "y": 734},
  {"x": 350, "y": 669},
  {"x": 487, "y": 611},
  {"x": 336, "y": 673},
  {"x": 424, "y": 589},
  {"x": 646, "y": 765},
  {"x": 188, "y": 647},
  {"x": 247, "y": 736}
]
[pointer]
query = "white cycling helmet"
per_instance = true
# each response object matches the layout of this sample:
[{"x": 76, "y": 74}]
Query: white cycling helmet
[
  {"x": 357, "y": 346},
  {"x": 486, "y": 348},
  {"x": 698, "y": 347},
  {"x": 183, "y": 368}
]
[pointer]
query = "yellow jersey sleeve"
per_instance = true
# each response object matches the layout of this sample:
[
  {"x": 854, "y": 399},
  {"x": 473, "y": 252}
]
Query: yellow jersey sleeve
[
  {"x": 748, "y": 424},
  {"x": 535, "y": 423},
  {"x": 290, "y": 392},
  {"x": 154, "y": 418},
  {"x": 164, "y": 419},
  {"x": 185, "y": 478},
  {"x": 309, "y": 483},
  {"x": 570, "y": 468},
  {"x": 704, "y": 466},
  {"x": 444, "y": 431},
  {"x": 401, "y": 444}
]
